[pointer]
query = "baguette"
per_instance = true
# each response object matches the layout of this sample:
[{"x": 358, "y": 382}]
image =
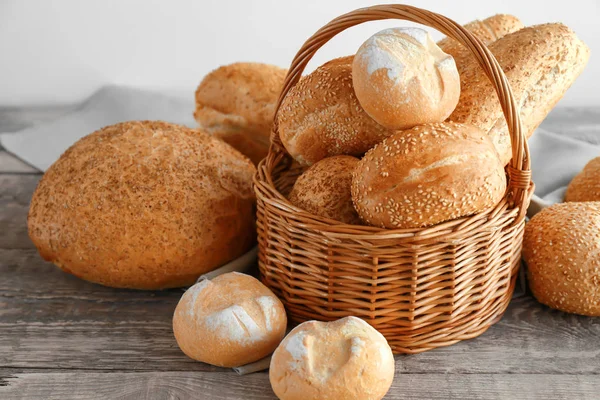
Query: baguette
[{"x": 540, "y": 62}]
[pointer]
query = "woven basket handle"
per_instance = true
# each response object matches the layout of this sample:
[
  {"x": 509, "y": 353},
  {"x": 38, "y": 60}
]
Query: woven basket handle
[{"x": 519, "y": 168}]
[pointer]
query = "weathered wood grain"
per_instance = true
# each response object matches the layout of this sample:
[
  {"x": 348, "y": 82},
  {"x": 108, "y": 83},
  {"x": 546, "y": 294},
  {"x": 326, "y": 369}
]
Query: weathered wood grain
[
  {"x": 50, "y": 318},
  {"x": 227, "y": 385},
  {"x": 11, "y": 164},
  {"x": 15, "y": 195}
]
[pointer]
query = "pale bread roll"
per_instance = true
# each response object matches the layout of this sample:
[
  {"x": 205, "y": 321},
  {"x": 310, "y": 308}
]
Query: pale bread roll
[
  {"x": 561, "y": 247},
  {"x": 236, "y": 103},
  {"x": 488, "y": 31},
  {"x": 426, "y": 175},
  {"x": 540, "y": 62},
  {"x": 324, "y": 189},
  {"x": 402, "y": 78},
  {"x": 229, "y": 321},
  {"x": 344, "y": 359},
  {"x": 586, "y": 184},
  {"x": 144, "y": 205},
  {"x": 321, "y": 117}
]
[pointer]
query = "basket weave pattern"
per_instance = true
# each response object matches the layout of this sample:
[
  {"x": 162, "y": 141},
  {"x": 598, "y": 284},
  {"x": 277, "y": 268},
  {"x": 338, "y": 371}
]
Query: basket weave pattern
[{"x": 421, "y": 288}]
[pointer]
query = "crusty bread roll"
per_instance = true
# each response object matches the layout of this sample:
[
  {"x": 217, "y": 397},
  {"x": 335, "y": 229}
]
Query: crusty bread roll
[
  {"x": 321, "y": 117},
  {"x": 586, "y": 184},
  {"x": 324, "y": 189},
  {"x": 540, "y": 62},
  {"x": 229, "y": 321},
  {"x": 145, "y": 205},
  {"x": 488, "y": 31},
  {"x": 427, "y": 175},
  {"x": 561, "y": 247},
  {"x": 236, "y": 103},
  {"x": 401, "y": 78},
  {"x": 344, "y": 359}
]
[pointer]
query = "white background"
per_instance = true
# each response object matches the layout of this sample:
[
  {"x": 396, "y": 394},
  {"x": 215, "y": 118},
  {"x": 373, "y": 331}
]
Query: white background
[{"x": 60, "y": 51}]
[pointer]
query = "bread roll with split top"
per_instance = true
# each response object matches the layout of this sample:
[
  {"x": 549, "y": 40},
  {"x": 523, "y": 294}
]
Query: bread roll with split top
[
  {"x": 402, "y": 78},
  {"x": 585, "y": 186},
  {"x": 426, "y": 175},
  {"x": 324, "y": 189},
  {"x": 229, "y": 321},
  {"x": 343, "y": 359},
  {"x": 561, "y": 248},
  {"x": 144, "y": 205},
  {"x": 320, "y": 116},
  {"x": 236, "y": 103},
  {"x": 540, "y": 62}
]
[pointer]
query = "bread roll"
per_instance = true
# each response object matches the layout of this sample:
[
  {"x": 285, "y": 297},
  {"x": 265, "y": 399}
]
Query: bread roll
[
  {"x": 145, "y": 205},
  {"x": 321, "y": 117},
  {"x": 561, "y": 247},
  {"x": 427, "y": 175},
  {"x": 488, "y": 31},
  {"x": 586, "y": 184},
  {"x": 324, "y": 189},
  {"x": 229, "y": 321},
  {"x": 236, "y": 103},
  {"x": 540, "y": 62},
  {"x": 344, "y": 359},
  {"x": 401, "y": 78}
]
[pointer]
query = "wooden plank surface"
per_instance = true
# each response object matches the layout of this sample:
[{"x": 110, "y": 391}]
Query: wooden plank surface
[{"x": 227, "y": 386}]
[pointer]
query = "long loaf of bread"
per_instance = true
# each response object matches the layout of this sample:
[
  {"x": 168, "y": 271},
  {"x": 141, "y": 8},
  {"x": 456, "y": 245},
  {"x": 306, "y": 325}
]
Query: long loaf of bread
[
  {"x": 540, "y": 62},
  {"x": 489, "y": 30}
]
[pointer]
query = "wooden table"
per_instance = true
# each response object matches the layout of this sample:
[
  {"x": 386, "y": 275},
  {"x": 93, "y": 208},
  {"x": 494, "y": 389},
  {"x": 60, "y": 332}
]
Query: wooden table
[{"x": 64, "y": 338}]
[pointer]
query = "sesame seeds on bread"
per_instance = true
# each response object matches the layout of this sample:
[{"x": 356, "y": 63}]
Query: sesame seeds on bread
[
  {"x": 324, "y": 189},
  {"x": 585, "y": 186},
  {"x": 236, "y": 103},
  {"x": 427, "y": 175},
  {"x": 145, "y": 205},
  {"x": 321, "y": 116},
  {"x": 561, "y": 247}
]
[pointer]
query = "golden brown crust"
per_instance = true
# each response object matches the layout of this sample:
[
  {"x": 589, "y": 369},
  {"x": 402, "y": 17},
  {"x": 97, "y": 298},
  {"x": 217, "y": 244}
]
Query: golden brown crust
[
  {"x": 401, "y": 78},
  {"x": 343, "y": 359},
  {"x": 488, "y": 31},
  {"x": 236, "y": 103},
  {"x": 229, "y": 321},
  {"x": 321, "y": 117},
  {"x": 324, "y": 189},
  {"x": 585, "y": 186},
  {"x": 561, "y": 247},
  {"x": 427, "y": 175},
  {"x": 540, "y": 62},
  {"x": 145, "y": 205}
]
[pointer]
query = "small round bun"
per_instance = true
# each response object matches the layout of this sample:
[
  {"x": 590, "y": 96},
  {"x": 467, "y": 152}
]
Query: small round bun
[
  {"x": 324, "y": 189},
  {"x": 144, "y": 205},
  {"x": 586, "y": 185},
  {"x": 561, "y": 248},
  {"x": 229, "y": 321},
  {"x": 427, "y": 175},
  {"x": 402, "y": 78},
  {"x": 344, "y": 359},
  {"x": 320, "y": 117},
  {"x": 236, "y": 103}
]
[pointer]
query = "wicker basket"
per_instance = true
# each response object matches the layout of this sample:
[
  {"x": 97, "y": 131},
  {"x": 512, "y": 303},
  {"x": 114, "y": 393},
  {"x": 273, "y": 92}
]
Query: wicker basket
[{"x": 421, "y": 288}]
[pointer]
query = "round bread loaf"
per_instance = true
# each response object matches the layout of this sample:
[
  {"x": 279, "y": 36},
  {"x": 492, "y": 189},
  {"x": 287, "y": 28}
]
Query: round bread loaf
[
  {"x": 344, "y": 359},
  {"x": 561, "y": 247},
  {"x": 236, "y": 103},
  {"x": 402, "y": 78},
  {"x": 321, "y": 117},
  {"x": 145, "y": 205},
  {"x": 586, "y": 184},
  {"x": 229, "y": 321},
  {"x": 324, "y": 189},
  {"x": 427, "y": 175}
]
